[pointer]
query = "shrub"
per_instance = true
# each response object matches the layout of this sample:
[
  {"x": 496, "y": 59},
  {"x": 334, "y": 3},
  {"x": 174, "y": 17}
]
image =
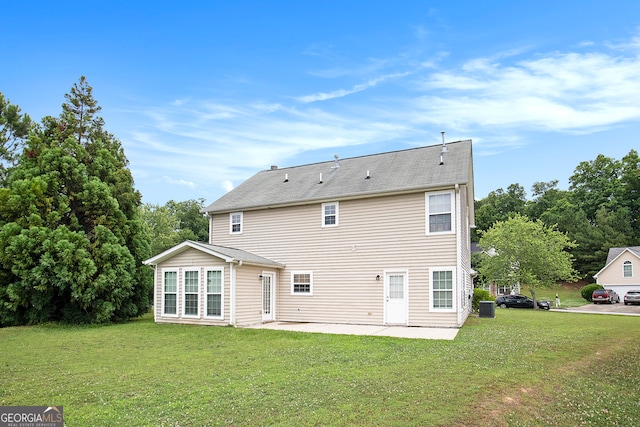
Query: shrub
[
  {"x": 588, "y": 290},
  {"x": 480, "y": 295}
]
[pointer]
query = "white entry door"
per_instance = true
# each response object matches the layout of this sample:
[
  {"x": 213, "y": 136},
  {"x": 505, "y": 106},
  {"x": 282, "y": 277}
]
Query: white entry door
[
  {"x": 268, "y": 297},
  {"x": 395, "y": 287}
]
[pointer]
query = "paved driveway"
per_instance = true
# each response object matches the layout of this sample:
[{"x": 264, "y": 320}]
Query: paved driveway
[{"x": 620, "y": 308}]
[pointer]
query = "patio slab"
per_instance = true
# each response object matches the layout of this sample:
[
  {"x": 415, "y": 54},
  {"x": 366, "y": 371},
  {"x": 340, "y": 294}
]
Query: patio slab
[{"x": 372, "y": 330}]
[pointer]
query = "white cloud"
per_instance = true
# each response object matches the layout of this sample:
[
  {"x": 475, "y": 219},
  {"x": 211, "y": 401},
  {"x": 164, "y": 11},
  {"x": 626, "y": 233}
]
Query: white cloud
[
  {"x": 179, "y": 182},
  {"x": 567, "y": 92},
  {"x": 323, "y": 96}
]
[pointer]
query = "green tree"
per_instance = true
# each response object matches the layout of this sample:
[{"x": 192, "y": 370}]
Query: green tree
[
  {"x": 628, "y": 194},
  {"x": 499, "y": 205},
  {"x": 174, "y": 223},
  {"x": 14, "y": 129},
  {"x": 526, "y": 252},
  {"x": 545, "y": 195},
  {"x": 595, "y": 184},
  {"x": 71, "y": 238}
]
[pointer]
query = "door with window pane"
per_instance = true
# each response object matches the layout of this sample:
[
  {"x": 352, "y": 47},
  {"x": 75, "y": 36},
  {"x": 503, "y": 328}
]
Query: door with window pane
[
  {"x": 268, "y": 297},
  {"x": 396, "y": 298}
]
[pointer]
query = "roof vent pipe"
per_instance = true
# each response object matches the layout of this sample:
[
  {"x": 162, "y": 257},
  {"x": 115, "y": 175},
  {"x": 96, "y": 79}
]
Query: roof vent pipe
[
  {"x": 320, "y": 182},
  {"x": 286, "y": 177},
  {"x": 368, "y": 176},
  {"x": 336, "y": 165},
  {"x": 443, "y": 149}
]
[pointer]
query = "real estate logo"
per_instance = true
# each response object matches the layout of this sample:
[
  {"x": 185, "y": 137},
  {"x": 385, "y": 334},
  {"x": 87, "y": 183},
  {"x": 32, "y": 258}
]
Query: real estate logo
[{"x": 31, "y": 416}]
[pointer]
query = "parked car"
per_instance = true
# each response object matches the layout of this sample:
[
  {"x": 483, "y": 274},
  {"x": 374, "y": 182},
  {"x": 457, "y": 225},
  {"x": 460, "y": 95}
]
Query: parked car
[
  {"x": 632, "y": 297},
  {"x": 519, "y": 301},
  {"x": 605, "y": 295}
]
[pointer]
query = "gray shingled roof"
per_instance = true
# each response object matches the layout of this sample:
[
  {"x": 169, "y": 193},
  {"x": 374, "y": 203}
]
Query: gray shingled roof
[
  {"x": 223, "y": 252},
  {"x": 615, "y": 252},
  {"x": 391, "y": 172}
]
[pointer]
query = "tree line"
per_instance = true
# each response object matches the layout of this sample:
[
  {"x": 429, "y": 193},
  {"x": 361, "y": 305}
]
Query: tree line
[{"x": 600, "y": 210}]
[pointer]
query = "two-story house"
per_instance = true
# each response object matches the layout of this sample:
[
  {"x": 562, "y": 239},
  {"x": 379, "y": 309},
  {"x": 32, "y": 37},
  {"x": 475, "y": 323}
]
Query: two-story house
[{"x": 380, "y": 239}]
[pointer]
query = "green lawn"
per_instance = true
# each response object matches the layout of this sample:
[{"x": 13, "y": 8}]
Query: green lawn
[
  {"x": 569, "y": 295},
  {"x": 523, "y": 368}
]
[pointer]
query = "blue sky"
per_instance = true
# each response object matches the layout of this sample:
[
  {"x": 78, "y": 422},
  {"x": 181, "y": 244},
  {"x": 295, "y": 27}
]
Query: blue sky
[{"x": 203, "y": 94}]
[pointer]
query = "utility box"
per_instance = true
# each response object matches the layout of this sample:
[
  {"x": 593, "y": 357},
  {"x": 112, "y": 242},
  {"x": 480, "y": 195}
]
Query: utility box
[{"x": 487, "y": 309}]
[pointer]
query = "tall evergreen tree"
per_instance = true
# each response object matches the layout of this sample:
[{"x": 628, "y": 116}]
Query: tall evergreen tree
[
  {"x": 14, "y": 129},
  {"x": 71, "y": 238}
]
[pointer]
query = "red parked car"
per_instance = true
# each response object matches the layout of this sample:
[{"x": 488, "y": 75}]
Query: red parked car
[{"x": 605, "y": 295}]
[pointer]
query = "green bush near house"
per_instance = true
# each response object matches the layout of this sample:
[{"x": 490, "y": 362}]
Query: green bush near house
[
  {"x": 481, "y": 295},
  {"x": 588, "y": 290}
]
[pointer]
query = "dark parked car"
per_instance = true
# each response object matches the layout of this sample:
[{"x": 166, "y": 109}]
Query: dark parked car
[
  {"x": 605, "y": 295},
  {"x": 632, "y": 297},
  {"x": 519, "y": 301}
]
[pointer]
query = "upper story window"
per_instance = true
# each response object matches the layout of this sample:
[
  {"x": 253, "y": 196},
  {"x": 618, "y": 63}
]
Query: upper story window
[
  {"x": 330, "y": 214},
  {"x": 301, "y": 283},
  {"x": 627, "y": 269},
  {"x": 440, "y": 212},
  {"x": 235, "y": 223}
]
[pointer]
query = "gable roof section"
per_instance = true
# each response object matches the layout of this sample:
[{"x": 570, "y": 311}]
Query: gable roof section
[
  {"x": 614, "y": 253},
  {"x": 393, "y": 172},
  {"x": 222, "y": 252}
]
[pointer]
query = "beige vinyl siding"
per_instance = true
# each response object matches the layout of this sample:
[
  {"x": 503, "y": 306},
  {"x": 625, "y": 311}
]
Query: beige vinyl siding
[
  {"x": 613, "y": 274},
  {"x": 248, "y": 295},
  {"x": 374, "y": 235},
  {"x": 188, "y": 260}
]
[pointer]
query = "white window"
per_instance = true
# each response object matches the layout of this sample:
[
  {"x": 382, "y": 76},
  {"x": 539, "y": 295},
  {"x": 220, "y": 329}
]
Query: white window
[
  {"x": 214, "y": 292},
  {"x": 442, "y": 292},
  {"x": 235, "y": 223},
  {"x": 170, "y": 292},
  {"x": 627, "y": 269},
  {"x": 330, "y": 214},
  {"x": 301, "y": 283},
  {"x": 440, "y": 213},
  {"x": 191, "y": 292}
]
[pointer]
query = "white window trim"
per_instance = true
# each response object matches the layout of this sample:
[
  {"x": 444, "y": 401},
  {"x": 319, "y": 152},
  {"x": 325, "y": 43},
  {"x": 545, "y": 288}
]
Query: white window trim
[
  {"x": 630, "y": 264},
  {"x": 184, "y": 292},
  {"x": 177, "y": 293},
  {"x": 337, "y": 205},
  {"x": 231, "y": 215},
  {"x": 206, "y": 293},
  {"x": 454, "y": 291},
  {"x": 453, "y": 212},
  {"x": 310, "y": 273}
]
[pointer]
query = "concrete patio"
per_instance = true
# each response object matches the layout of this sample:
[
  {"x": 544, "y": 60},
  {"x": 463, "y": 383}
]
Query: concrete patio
[{"x": 348, "y": 329}]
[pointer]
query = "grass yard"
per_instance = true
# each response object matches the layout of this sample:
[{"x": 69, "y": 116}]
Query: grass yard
[
  {"x": 523, "y": 368},
  {"x": 569, "y": 295}
]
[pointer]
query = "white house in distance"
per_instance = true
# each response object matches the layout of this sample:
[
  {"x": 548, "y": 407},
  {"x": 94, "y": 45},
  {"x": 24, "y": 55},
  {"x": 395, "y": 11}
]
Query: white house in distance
[
  {"x": 621, "y": 271},
  {"x": 382, "y": 239}
]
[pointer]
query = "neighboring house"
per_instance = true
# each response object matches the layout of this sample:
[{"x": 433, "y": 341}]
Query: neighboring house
[
  {"x": 380, "y": 240},
  {"x": 621, "y": 271}
]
